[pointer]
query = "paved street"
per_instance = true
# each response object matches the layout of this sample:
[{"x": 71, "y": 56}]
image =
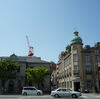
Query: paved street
[{"x": 84, "y": 96}]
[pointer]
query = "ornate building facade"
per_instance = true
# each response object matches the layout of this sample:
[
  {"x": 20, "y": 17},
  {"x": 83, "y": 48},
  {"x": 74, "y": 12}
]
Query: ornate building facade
[
  {"x": 16, "y": 84},
  {"x": 78, "y": 69}
]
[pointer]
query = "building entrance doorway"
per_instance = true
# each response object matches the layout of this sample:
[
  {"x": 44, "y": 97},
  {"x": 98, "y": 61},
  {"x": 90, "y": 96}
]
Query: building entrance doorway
[{"x": 77, "y": 86}]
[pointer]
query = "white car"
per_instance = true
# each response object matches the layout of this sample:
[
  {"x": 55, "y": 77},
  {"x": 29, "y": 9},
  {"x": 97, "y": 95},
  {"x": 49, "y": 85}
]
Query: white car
[
  {"x": 31, "y": 91},
  {"x": 63, "y": 92}
]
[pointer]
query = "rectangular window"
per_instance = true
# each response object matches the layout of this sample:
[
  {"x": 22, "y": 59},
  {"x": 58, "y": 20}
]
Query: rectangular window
[
  {"x": 65, "y": 62},
  {"x": 64, "y": 90},
  {"x": 70, "y": 84},
  {"x": 70, "y": 71},
  {"x": 98, "y": 58},
  {"x": 67, "y": 84},
  {"x": 74, "y": 47},
  {"x": 67, "y": 73},
  {"x": 98, "y": 61},
  {"x": 87, "y": 58},
  {"x": 88, "y": 69},
  {"x": 75, "y": 57},
  {"x": 76, "y": 69}
]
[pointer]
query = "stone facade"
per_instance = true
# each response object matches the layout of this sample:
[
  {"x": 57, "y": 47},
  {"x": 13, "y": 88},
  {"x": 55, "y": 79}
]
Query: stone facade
[
  {"x": 16, "y": 84},
  {"x": 78, "y": 69}
]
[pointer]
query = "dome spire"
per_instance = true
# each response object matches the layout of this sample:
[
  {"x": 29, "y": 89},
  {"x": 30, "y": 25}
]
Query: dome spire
[{"x": 76, "y": 33}]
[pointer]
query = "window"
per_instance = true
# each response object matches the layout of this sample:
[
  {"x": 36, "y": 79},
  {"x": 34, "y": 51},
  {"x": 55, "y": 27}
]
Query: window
[
  {"x": 74, "y": 47},
  {"x": 70, "y": 71},
  {"x": 32, "y": 89},
  {"x": 98, "y": 58},
  {"x": 87, "y": 58},
  {"x": 67, "y": 73},
  {"x": 76, "y": 69},
  {"x": 70, "y": 84},
  {"x": 67, "y": 84},
  {"x": 64, "y": 89},
  {"x": 75, "y": 57},
  {"x": 69, "y": 60},
  {"x": 88, "y": 69},
  {"x": 98, "y": 61},
  {"x": 29, "y": 89},
  {"x": 59, "y": 90},
  {"x": 63, "y": 84}
]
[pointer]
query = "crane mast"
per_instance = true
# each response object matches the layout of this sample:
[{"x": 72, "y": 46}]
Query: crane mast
[{"x": 30, "y": 53}]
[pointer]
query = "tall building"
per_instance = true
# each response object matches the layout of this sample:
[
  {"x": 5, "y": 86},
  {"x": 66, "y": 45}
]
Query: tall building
[
  {"x": 15, "y": 85},
  {"x": 78, "y": 67}
]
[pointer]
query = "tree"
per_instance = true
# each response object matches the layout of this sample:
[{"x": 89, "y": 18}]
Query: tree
[
  {"x": 8, "y": 69},
  {"x": 61, "y": 55},
  {"x": 37, "y": 74},
  {"x": 68, "y": 48}
]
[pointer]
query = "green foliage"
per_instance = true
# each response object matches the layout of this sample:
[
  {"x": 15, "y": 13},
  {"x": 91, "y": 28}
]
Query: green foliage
[
  {"x": 87, "y": 47},
  {"x": 37, "y": 74},
  {"x": 64, "y": 53},
  {"x": 8, "y": 68},
  {"x": 68, "y": 48}
]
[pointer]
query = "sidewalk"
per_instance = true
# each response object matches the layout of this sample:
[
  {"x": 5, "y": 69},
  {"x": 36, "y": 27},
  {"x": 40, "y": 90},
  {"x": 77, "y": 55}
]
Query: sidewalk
[{"x": 91, "y": 93}]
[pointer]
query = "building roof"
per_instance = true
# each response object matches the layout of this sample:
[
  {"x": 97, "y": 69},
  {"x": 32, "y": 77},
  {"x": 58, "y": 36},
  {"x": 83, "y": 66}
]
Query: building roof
[
  {"x": 31, "y": 59},
  {"x": 76, "y": 37}
]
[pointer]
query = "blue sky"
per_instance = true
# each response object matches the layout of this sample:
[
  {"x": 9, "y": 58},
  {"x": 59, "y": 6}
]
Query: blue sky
[{"x": 49, "y": 25}]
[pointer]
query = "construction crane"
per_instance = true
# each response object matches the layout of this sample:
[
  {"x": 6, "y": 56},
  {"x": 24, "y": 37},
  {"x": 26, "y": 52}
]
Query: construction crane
[{"x": 30, "y": 53}]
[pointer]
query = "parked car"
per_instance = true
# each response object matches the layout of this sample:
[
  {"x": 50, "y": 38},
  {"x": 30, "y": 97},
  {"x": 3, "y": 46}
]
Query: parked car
[
  {"x": 31, "y": 91},
  {"x": 63, "y": 92}
]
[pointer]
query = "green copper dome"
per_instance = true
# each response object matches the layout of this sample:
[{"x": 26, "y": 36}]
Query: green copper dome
[{"x": 76, "y": 37}]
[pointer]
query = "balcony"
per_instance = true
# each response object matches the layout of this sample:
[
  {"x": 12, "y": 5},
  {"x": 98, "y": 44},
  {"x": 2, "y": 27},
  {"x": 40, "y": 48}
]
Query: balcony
[{"x": 76, "y": 71}]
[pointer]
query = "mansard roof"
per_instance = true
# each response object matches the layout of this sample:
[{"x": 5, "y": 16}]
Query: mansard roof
[{"x": 29, "y": 59}]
